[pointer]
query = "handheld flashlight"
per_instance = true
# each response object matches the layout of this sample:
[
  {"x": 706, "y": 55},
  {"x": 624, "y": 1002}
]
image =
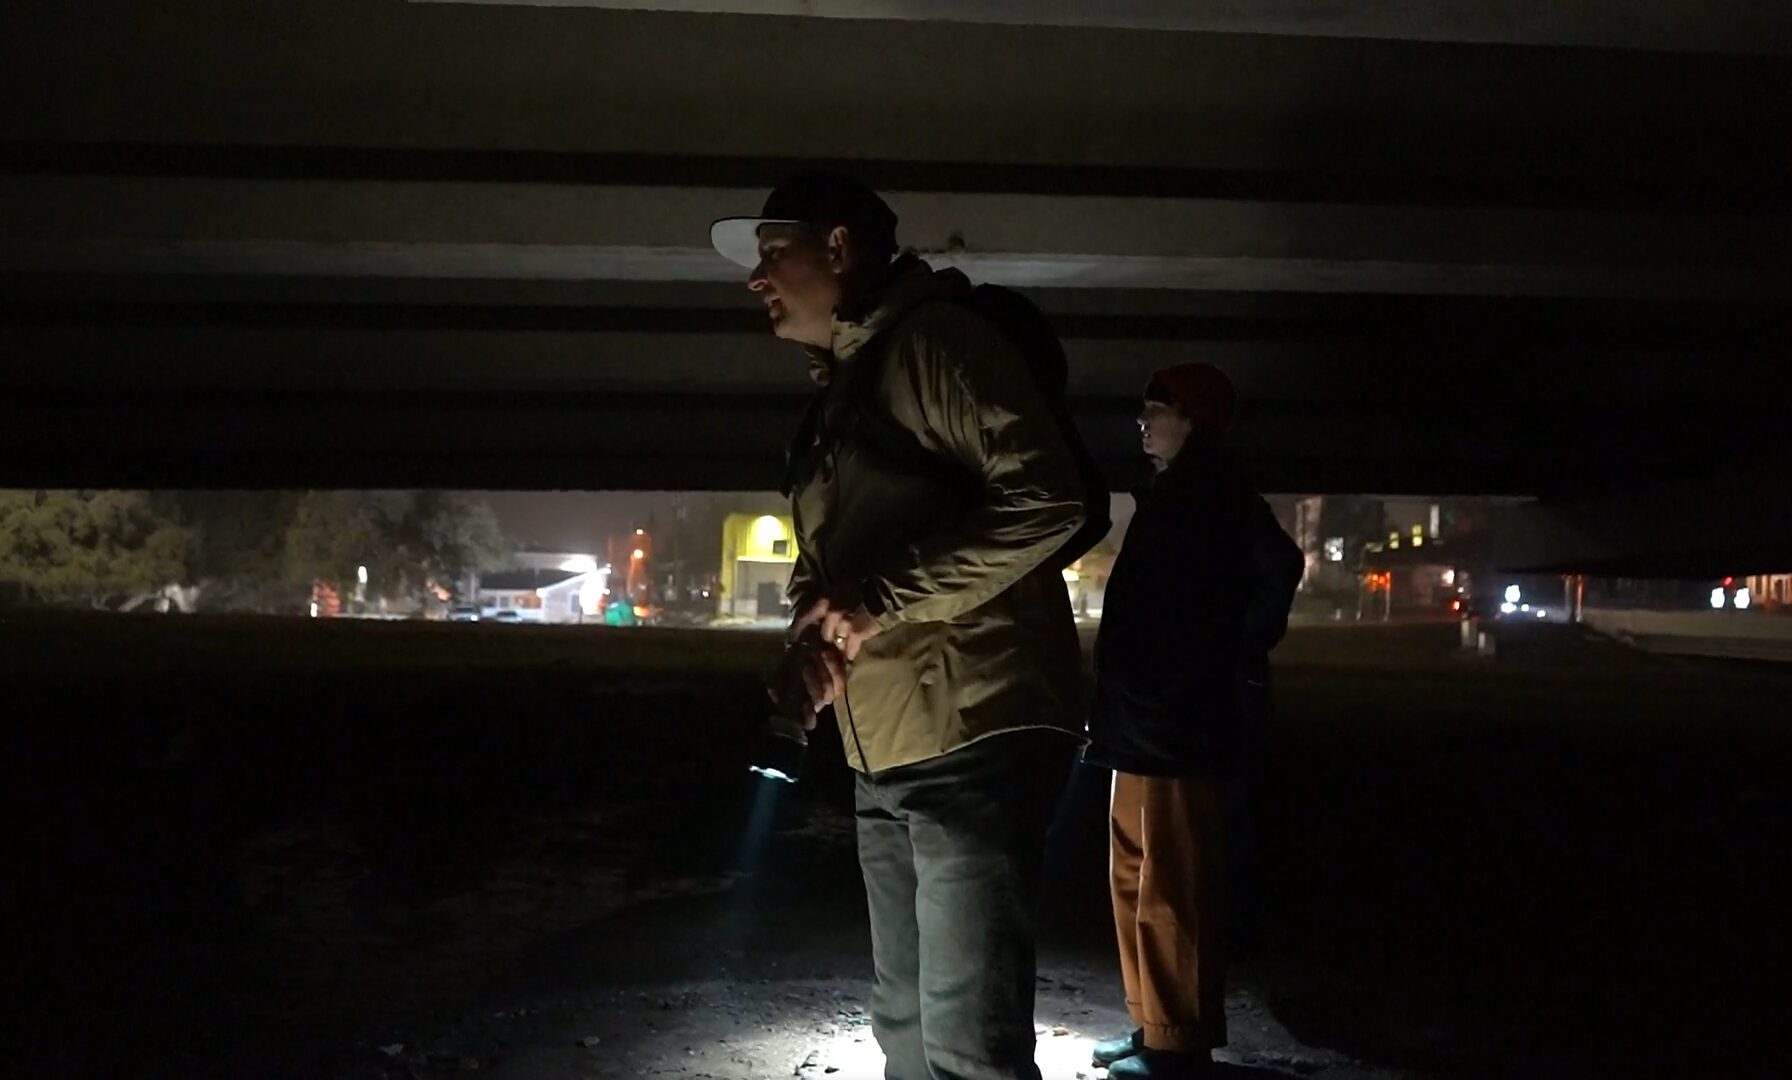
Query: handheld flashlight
[{"x": 785, "y": 741}]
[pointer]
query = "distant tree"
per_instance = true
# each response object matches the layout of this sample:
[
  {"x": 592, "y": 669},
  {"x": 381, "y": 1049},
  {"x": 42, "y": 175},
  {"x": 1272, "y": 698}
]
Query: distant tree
[
  {"x": 1360, "y": 519},
  {"x": 240, "y": 550},
  {"x": 457, "y": 535},
  {"x": 410, "y": 541},
  {"x": 92, "y": 547},
  {"x": 240, "y": 545},
  {"x": 334, "y": 532}
]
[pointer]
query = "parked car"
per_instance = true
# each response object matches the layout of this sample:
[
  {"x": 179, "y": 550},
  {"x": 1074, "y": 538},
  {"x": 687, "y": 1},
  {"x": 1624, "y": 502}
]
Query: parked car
[
  {"x": 463, "y": 613},
  {"x": 508, "y": 615}
]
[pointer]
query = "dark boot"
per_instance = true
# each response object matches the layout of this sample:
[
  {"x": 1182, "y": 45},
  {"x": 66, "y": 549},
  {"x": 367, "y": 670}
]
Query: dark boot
[
  {"x": 1162, "y": 1065},
  {"x": 1106, "y": 1053}
]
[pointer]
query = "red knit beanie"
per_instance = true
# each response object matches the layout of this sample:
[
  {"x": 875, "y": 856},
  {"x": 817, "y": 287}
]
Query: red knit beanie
[{"x": 1201, "y": 391}]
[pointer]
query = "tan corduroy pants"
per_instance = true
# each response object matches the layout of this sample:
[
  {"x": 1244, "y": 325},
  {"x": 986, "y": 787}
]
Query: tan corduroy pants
[{"x": 1167, "y": 861}]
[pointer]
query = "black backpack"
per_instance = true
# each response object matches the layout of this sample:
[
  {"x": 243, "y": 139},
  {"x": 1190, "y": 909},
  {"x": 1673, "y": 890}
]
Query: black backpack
[{"x": 867, "y": 426}]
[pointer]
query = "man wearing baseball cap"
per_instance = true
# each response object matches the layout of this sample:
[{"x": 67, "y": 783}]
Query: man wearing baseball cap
[
  {"x": 1199, "y": 595},
  {"x": 931, "y": 490}
]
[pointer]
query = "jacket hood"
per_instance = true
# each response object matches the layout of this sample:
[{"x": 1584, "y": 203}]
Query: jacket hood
[{"x": 911, "y": 283}]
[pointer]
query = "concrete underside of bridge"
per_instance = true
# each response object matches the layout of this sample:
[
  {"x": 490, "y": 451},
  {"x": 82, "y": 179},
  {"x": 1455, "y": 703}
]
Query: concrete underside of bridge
[{"x": 376, "y": 243}]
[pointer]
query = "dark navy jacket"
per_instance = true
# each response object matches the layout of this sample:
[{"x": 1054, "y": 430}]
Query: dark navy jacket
[{"x": 1198, "y": 597}]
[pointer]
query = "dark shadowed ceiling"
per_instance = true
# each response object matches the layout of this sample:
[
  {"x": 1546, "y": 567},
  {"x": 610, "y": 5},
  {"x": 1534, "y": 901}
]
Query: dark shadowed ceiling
[{"x": 1515, "y": 248}]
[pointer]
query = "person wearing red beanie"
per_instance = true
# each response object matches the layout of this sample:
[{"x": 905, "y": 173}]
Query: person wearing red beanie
[
  {"x": 1199, "y": 594},
  {"x": 1197, "y": 395}
]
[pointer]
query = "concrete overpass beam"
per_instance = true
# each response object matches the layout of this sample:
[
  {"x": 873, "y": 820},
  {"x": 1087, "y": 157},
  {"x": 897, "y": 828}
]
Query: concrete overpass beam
[
  {"x": 67, "y": 224},
  {"x": 1723, "y": 524},
  {"x": 1680, "y": 26}
]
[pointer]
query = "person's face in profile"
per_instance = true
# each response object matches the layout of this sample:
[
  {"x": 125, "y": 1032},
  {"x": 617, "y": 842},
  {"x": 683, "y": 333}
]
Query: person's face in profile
[
  {"x": 798, "y": 280},
  {"x": 1164, "y": 431}
]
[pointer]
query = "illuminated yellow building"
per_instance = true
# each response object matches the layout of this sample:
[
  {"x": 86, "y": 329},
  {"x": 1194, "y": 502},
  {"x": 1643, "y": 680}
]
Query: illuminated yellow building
[{"x": 758, "y": 551}]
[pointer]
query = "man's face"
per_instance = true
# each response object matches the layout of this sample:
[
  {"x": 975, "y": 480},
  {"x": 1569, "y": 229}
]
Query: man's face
[
  {"x": 798, "y": 279},
  {"x": 1165, "y": 430}
]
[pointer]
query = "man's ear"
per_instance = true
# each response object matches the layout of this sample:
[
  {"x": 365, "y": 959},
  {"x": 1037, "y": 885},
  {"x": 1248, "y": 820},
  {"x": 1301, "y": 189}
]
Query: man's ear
[{"x": 839, "y": 250}]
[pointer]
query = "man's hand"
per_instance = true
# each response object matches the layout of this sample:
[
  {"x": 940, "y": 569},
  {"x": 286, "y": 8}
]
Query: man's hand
[
  {"x": 848, "y": 631},
  {"x": 843, "y": 633}
]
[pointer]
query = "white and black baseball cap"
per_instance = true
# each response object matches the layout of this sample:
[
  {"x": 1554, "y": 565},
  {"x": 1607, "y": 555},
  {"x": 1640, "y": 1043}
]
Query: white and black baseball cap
[{"x": 822, "y": 200}]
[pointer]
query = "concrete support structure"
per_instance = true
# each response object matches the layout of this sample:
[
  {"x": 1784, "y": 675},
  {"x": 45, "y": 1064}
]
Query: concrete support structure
[{"x": 1520, "y": 248}]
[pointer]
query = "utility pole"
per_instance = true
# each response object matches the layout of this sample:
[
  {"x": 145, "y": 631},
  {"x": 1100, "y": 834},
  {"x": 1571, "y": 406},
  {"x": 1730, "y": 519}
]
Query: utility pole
[{"x": 678, "y": 574}]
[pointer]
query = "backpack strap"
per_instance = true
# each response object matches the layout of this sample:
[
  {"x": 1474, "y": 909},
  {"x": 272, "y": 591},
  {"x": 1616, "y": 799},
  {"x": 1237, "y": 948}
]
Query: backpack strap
[
  {"x": 803, "y": 453},
  {"x": 865, "y": 422}
]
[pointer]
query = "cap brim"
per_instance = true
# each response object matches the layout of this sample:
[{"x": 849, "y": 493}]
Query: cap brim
[{"x": 737, "y": 238}]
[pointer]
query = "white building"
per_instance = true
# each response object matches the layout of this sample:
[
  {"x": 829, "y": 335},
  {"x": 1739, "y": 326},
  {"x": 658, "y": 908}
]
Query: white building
[{"x": 544, "y": 596}]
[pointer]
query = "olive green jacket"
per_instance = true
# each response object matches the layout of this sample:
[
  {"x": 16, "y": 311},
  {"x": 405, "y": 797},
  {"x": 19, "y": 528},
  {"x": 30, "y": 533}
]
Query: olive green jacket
[{"x": 976, "y": 634}]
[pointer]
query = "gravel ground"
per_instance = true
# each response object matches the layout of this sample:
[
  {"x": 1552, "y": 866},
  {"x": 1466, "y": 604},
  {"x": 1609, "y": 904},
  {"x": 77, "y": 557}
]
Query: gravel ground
[
  {"x": 275, "y": 850},
  {"x": 765, "y": 975}
]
